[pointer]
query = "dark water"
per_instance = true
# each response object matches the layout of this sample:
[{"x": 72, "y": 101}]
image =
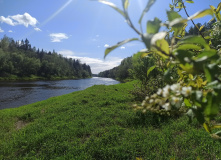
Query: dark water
[{"x": 15, "y": 94}]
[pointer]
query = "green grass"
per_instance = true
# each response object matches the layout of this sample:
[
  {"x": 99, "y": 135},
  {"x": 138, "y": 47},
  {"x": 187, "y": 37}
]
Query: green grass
[{"x": 99, "y": 123}]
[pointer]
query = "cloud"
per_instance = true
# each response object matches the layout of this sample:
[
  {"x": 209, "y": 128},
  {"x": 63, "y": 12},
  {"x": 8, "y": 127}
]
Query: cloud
[
  {"x": 37, "y": 29},
  {"x": 97, "y": 65},
  {"x": 26, "y": 19},
  {"x": 1, "y": 30},
  {"x": 57, "y": 37},
  {"x": 122, "y": 47},
  {"x": 106, "y": 45},
  {"x": 10, "y": 31},
  {"x": 7, "y": 20}
]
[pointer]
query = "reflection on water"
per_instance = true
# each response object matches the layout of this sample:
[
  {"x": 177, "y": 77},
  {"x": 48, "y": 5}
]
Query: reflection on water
[{"x": 15, "y": 94}]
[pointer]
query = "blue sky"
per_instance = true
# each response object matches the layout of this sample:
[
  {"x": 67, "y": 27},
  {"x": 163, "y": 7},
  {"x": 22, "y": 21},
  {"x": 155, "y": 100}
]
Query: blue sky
[{"x": 82, "y": 28}]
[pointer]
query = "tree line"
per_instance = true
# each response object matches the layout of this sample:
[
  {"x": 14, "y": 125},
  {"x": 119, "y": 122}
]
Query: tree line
[{"x": 20, "y": 59}]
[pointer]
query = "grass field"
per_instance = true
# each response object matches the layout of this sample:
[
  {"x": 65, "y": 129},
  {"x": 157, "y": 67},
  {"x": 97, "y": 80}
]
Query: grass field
[{"x": 99, "y": 123}]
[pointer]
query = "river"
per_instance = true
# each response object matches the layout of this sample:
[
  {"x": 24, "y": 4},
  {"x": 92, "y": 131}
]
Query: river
[{"x": 19, "y": 93}]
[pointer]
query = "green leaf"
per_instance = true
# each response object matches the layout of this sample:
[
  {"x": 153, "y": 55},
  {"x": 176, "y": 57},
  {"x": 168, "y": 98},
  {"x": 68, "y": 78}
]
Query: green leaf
[
  {"x": 153, "y": 26},
  {"x": 163, "y": 46},
  {"x": 146, "y": 38},
  {"x": 125, "y": 4},
  {"x": 201, "y": 14},
  {"x": 189, "y": 1},
  {"x": 172, "y": 15},
  {"x": 187, "y": 102},
  {"x": 113, "y": 6},
  {"x": 158, "y": 36},
  {"x": 109, "y": 49},
  {"x": 212, "y": 108},
  {"x": 201, "y": 27},
  {"x": 218, "y": 8},
  {"x": 147, "y": 8},
  {"x": 189, "y": 46},
  {"x": 216, "y": 126},
  {"x": 182, "y": 55},
  {"x": 207, "y": 128},
  {"x": 150, "y": 69},
  {"x": 194, "y": 40}
]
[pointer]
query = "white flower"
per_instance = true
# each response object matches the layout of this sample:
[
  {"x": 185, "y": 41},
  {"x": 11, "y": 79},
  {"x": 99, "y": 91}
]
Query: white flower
[
  {"x": 146, "y": 98},
  {"x": 160, "y": 91},
  {"x": 176, "y": 101},
  {"x": 175, "y": 87},
  {"x": 166, "y": 91},
  {"x": 167, "y": 106},
  {"x": 143, "y": 103},
  {"x": 151, "y": 101},
  {"x": 154, "y": 96},
  {"x": 186, "y": 91}
]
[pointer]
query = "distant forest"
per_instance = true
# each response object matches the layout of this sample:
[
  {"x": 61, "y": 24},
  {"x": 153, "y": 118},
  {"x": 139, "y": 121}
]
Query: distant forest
[
  {"x": 127, "y": 67},
  {"x": 20, "y": 59}
]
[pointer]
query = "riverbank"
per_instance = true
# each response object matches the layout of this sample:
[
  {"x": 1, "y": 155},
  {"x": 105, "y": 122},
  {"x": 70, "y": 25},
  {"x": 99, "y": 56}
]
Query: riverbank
[{"x": 99, "y": 123}]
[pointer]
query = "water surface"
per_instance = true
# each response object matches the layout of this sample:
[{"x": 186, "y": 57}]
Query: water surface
[{"x": 15, "y": 94}]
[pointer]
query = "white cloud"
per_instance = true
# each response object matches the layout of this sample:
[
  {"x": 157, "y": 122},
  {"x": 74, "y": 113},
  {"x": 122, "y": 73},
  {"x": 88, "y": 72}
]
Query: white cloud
[
  {"x": 37, "y": 29},
  {"x": 106, "y": 45},
  {"x": 97, "y": 65},
  {"x": 97, "y": 35},
  {"x": 26, "y": 19},
  {"x": 6, "y": 20},
  {"x": 57, "y": 37},
  {"x": 10, "y": 31},
  {"x": 122, "y": 47},
  {"x": 1, "y": 30}
]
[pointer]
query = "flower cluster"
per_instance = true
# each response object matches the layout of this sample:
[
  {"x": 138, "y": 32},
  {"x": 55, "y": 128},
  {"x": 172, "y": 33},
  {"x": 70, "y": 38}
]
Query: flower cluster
[{"x": 166, "y": 100}]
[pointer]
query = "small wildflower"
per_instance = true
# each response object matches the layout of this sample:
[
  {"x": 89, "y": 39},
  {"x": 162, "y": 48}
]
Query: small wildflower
[
  {"x": 167, "y": 106},
  {"x": 166, "y": 91},
  {"x": 151, "y": 101},
  {"x": 154, "y": 96},
  {"x": 186, "y": 91},
  {"x": 160, "y": 91},
  {"x": 176, "y": 101},
  {"x": 146, "y": 98},
  {"x": 175, "y": 87},
  {"x": 143, "y": 103}
]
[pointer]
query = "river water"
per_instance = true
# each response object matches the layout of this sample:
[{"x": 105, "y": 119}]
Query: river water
[{"x": 19, "y": 93}]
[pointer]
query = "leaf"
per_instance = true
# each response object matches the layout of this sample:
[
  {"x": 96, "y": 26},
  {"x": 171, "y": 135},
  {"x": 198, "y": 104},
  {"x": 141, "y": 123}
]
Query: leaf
[
  {"x": 125, "y": 4},
  {"x": 207, "y": 128},
  {"x": 109, "y": 49},
  {"x": 158, "y": 36},
  {"x": 189, "y": 46},
  {"x": 211, "y": 108},
  {"x": 187, "y": 102},
  {"x": 201, "y": 27},
  {"x": 153, "y": 26},
  {"x": 216, "y": 126},
  {"x": 150, "y": 69},
  {"x": 194, "y": 40},
  {"x": 163, "y": 46},
  {"x": 112, "y": 5},
  {"x": 201, "y": 14},
  {"x": 213, "y": 8},
  {"x": 218, "y": 8},
  {"x": 147, "y": 8},
  {"x": 189, "y": 1},
  {"x": 172, "y": 15}
]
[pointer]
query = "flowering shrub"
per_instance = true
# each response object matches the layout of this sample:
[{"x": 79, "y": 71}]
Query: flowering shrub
[{"x": 196, "y": 59}]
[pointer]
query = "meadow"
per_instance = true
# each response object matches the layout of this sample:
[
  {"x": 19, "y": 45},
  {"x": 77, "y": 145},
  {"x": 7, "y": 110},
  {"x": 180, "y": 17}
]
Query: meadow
[{"x": 100, "y": 123}]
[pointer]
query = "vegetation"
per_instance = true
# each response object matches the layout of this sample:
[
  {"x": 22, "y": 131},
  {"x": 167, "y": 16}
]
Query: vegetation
[
  {"x": 191, "y": 64},
  {"x": 98, "y": 123},
  {"x": 18, "y": 60}
]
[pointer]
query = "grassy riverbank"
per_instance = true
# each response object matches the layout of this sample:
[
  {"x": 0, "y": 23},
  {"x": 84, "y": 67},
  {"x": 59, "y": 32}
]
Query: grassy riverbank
[{"x": 99, "y": 123}]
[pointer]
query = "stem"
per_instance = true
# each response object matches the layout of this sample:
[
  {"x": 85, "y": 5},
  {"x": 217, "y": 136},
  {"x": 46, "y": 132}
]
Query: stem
[
  {"x": 131, "y": 24},
  {"x": 193, "y": 21}
]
